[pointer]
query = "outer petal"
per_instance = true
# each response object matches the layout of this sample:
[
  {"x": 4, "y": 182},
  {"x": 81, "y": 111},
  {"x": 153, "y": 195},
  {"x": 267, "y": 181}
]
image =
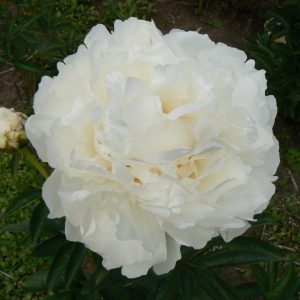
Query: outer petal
[
  {"x": 188, "y": 43},
  {"x": 173, "y": 254},
  {"x": 37, "y": 130},
  {"x": 50, "y": 195}
]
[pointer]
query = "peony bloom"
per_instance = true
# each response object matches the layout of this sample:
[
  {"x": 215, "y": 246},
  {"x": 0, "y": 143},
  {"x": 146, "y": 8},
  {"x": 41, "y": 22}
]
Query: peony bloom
[
  {"x": 156, "y": 141},
  {"x": 12, "y": 134}
]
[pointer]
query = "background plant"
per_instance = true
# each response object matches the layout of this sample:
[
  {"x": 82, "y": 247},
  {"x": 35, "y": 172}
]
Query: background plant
[
  {"x": 36, "y": 34},
  {"x": 277, "y": 50}
]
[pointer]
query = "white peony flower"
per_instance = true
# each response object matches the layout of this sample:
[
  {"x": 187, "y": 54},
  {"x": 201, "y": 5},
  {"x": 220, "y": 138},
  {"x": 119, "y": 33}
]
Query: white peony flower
[
  {"x": 12, "y": 134},
  {"x": 156, "y": 141}
]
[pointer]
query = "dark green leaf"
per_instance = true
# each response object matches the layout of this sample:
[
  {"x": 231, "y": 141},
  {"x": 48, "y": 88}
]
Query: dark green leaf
[
  {"x": 9, "y": 33},
  {"x": 17, "y": 227},
  {"x": 2, "y": 60},
  {"x": 146, "y": 283},
  {"x": 53, "y": 226},
  {"x": 228, "y": 289},
  {"x": 59, "y": 296},
  {"x": 292, "y": 289},
  {"x": 37, "y": 221},
  {"x": 186, "y": 284},
  {"x": 282, "y": 288},
  {"x": 58, "y": 265},
  {"x": 36, "y": 282},
  {"x": 14, "y": 164},
  {"x": 168, "y": 287},
  {"x": 28, "y": 67},
  {"x": 261, "y": 277},
  {"x": 225, "y": 258},
  {"x": 209, "y": 282},
  {"x": 50, "y": 247},
  {"x": 29, "y": 20},
  {"x": 263, "y": 218},
  {"x": 22, "y": 200},
  {"x": 117, "y": 293},
  {"x": 90, "y": 295},
  {"x": 258, "y": 246},
  {"x": 74, "y": 263},
  {"x": 272, "y": 273},
  {"x": 248, "y": 290}
]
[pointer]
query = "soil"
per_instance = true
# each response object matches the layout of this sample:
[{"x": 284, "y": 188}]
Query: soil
[
  {"x": 223, "y": 21},
  {"x": 12, "y": 93}
]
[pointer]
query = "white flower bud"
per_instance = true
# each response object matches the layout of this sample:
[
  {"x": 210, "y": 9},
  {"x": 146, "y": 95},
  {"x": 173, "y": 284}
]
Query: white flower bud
[{"x": 12, "y": 135}]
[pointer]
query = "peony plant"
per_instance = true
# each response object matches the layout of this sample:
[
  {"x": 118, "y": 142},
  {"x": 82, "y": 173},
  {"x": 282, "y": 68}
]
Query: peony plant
[{"x": 156, "y": 141}]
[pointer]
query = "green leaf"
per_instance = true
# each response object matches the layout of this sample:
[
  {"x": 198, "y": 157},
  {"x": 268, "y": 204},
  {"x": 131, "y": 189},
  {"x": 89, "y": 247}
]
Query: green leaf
[
  {"x": 117, "y": 293},
  {"x": 168, "y": 288},
  {"x": 22, "y": 200},
  {"x": 58, "y": 265},
  {"x": 209, "y": 282},
  {"x": 186, "y": 283},
  {"x": 9, "y": 33},
  {"x": 29, "y": 67},
  {"x": 248, "y": 290},
  {"x": 272, "y": 273},
  {"x": 36, "y": 282},
  {"x": 258, "y": 246},
  {"x": 261, "y": 277},
  {"x": 2, "y": 60},
  {"x": 263, "y": 218},
  {"x": 292, "y": 289},
  {"x": 146, "y": 283},
  {"x": 14, "y": 164},
  {"x": 189, "y": 287},
  {"x": 17, "y": 227},
  {"x": 53, "y": 226},
  {"x": 74, "y": 263},
  {"x": 90, "y": 295},
  {"x": 283, "y": 287},
  {"x": 50, "y": 247},
  {"x": 29, "y": 20},
  {"x": 37, "y": 221},
  {"x": 230, "y": 291},
  {"x": 59, "y": 296},
  {"x": 234, "y": 257}
]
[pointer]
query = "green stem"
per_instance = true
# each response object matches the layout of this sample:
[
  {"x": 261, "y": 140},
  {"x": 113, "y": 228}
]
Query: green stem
[
  {"x": 100, "y": 277},
  {"x": 35, "y": 162}
]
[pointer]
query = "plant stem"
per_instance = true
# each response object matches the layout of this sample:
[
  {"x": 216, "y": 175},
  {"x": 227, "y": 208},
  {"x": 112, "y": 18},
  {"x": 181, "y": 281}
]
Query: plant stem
[
  {"x": 100, "y": 277},
  {"x": 35, "y": 162}
]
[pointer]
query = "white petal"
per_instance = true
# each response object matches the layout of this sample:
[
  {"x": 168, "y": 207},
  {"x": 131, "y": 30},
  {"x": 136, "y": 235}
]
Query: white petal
[
  {"x": 97, "y": 33},
  {"x": 50, "y": 195},
  {"x": 188, "y": 43},
  {"x": 37, "y": 130},
  {"x": 173, "y": 254}
]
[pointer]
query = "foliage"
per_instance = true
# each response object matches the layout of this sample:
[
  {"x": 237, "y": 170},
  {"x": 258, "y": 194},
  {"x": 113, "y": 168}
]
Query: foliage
[
  {"x": 277, "y": 50},
  {"x": 122, "y": 10},
  {"x": 15, "y": 179},
  {"x": 37, "y": 34},
  {"x": 293, "y": 158}
]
